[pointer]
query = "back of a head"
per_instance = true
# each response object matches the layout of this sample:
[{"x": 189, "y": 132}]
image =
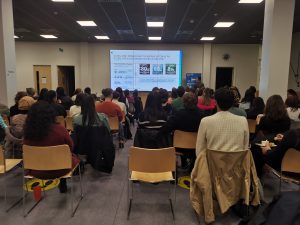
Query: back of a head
[
  {"x": 164, "y": 95},
  {"x": 51, "y": 96},
  {"x": 39, "y": 120},
  {"x": 275, "y": 108},
  {"x": 155, "y": 89},
  {"x": 43, "y": 94},
  {"x": 116, "y": 95},
  {"x": 292, "y": 102},
  {"x": 88, "y": 91},
  {"x": 224, "y": 98},
  {"x": 120, "y": 90},
  {"x": 30, "y": 91},
  {"x": 77, "y": 91},
  {"x": 206, "y": 96},
  {"x": 249, "y": 96},
  {"x": 236, "y": 95},
  {"x": 153, "y": 108},
  {"x": 126, "y": 93},
  {"x": 79, "y": 99},
  {"x": 107, "y": 92},
  {"x": 174, "y": 93},
  {"x": 180, "y": 91},
  {"x": 190, "y": 101},
  {"x": 258, "y": 104},
  {"x": 60, "y": 92},
  {"x": 88, "y": 111},
  {"x": 292, "y": 92},
  {"x": 20, "y": 95},
  {"x": 135, "y": 93},
  {"x": 25, "y": 103}
]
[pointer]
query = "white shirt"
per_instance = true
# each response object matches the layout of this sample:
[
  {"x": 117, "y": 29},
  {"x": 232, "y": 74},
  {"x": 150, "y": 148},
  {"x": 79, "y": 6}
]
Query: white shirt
[
  {"x": 121, "y": 105},
  {"x": 75, "y": 110},
  {"x": 294, "y": 115}
]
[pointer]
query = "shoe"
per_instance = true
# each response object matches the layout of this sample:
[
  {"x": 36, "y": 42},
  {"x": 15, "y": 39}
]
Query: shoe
[{"x": 63, "y": 186}]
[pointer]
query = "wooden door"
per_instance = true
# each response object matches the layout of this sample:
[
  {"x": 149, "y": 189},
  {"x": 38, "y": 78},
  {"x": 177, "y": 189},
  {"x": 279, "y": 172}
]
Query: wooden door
[{"x": 42, "y": 77}]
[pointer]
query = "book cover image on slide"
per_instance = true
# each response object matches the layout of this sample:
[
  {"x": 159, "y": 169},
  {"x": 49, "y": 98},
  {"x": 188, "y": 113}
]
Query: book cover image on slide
[
  {"x": 157, "y": 69},
  {"x": 170, "y": 68},
  {"x": 145, "y": 69}
]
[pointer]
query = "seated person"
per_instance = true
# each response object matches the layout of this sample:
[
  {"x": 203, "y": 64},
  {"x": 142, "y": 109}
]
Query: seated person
[
  {"x": 205, "y": 102},
  {"x": 41, "y": 130},
  {"x": 234, "y": 109},
  {"x": 14, "y": 110},
  {"x": 150, "y": 121},
  {"x": 164, "y": 95},
  {"x": 187, "y": 119},
  {"x": 63, "y": 99},
  {"x": 58, "y": 108},
  {"x": 75, "y": 110},
  {"x": 256, "y": 108},
  {"x": 177, "y": 103}
]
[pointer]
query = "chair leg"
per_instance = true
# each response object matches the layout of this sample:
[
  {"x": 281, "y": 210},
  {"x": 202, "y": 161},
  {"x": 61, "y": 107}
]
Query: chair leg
[
  {"x": 171, "y": 205},
  {"x": 72, "y": 194},
  {"x": 130, "y": 199},
  {"x": 43, "y": 188}
]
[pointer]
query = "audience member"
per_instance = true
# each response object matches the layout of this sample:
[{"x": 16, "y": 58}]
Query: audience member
[
  {"x": 43, "y": 95},
  {"x": 205, "y": 102},
  {"x": 223, "y": 131},
  {"x": 41, "y": 130},
  {"x": 256, "y": 108},
  {"x": 173, "y": 96},
  {"x": 32, "y": 93},
  {"x": 63, "y": 99},
  {"x": 138, "y": 105},
  {"x": 87, "y": 91},
  {"x": 115, "y": 99},
  {"x": 177, "y": 103},
  {"x": 164, "y": 101},
  {"x": 246, "y": 102},
  {"x": 76, "y": 92},
  {"x": 107, "y": 107},
  {"x": 14, "y": 110},
  {"x": 58, "y": 108},
  {"x": 235, "y": 107},
  {"x": 293, "y": 109},
  {"x": 75, "y": 110},
  {"x": 4, "y": 110},
  {"x": 122, "y": 97}
]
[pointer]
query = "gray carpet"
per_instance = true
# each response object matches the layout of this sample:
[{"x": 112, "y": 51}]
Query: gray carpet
[{"x": 105, "y": 201}]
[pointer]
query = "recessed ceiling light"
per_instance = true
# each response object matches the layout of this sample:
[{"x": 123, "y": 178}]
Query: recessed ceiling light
[
  {"x": 224, "y": 24},
  {"x": 102, "y": 37},
  {"x": 16, "y": 36},
  {"x": 87, "y": 23},
  {"x": 156, "y": 1},
  {"x": 154, "y": 38},
  {"x": 48, "y": 36},
  {"x": 155, "y": 24},
  {"x": 62, "y": 0},
  {"x": 207, "y": 38},
  {"x": 251, "y": 1}
]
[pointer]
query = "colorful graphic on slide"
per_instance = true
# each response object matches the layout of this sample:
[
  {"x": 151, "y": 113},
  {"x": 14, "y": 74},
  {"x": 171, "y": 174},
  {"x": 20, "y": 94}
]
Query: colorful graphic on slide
[
  {"x": 144, "y": 68},
  {"x": 157, "y": 69},
  {"x": 170, "y": 68}
]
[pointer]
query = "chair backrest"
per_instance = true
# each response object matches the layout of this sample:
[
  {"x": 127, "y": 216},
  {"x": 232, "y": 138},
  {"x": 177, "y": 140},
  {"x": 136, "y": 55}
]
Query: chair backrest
[
  {"x": 290, "y": 161},
  {"x": 69, "y": 123},
  {"x": 60, "y": 120},
  {"x": 113, "y": 123},
  {"x": 47, "y": 158},
  {"x": 2, "y": 158},
  {"x": 184, "y": 139},
  {"x": 252, "y": 125},
  {"x": 152, "y": 160}
]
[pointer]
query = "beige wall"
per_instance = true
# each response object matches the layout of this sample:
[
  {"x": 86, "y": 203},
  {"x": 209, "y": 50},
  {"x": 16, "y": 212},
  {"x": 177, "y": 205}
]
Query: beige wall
[{"x": 92, "y": 66}]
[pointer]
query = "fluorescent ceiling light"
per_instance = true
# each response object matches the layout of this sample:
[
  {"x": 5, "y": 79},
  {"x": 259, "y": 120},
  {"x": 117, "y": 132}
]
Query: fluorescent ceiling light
[
  {"x": 207, "y": 38},
  {"x": 156, "y": 1},
  {"x": 62, "y": 0},
  {"x": 155, "y": 24},
  {"x": 87, "y": 23},
  {"x": 48, "y": 36},
  {"x": 224, "y": 24},
  {"x": 16, "y": 36},
  {"x": 102, "y": 37},
  {"x": 251, "y": 1},
  {"x": 154, "y": 38}
]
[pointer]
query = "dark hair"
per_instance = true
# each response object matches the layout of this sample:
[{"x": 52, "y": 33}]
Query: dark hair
[
  {"x": 118, "y": 89},
  {"x": 236, "y": 95},
  {"x": 187, "y": 89},
  {"x": 275, "y": 108},
  {"x": 60, "y": 91},
  {"x": 50, "y": 96},
  {"x": 126, "y": 92},
  {"x": 212, "y": 93},
  {"x": 164, "y": 95},
  {"x": 155, "y": 89},
  {"x": 292, "y": 102},
  {"x": 190, "y": 101},
  {"x": 153, "y": 108},
  {"x": 116, "y": 95},
  {"x": 180, "y": 91},
  {"x": 258, "y": 105},
  {"x": 94, "y": 97},
  {"x": 79, "y": 99},
  {"x": 40, "y": 118},
  {"x": 135, "y": 93},
  {"x": 20, "y": 95},
  {"x": 292, "y": 92},
  {"x": 30, "y": 92},
  {"x": 107, "y": 92},
  {"x": 43, "y": 94},
  {"x": 253, "y": 89},
  {"x": 87, "y": 90},
  {"x": 77, "y": 91},
  {"x": 174, "y": 93},
  {"x": 88, "y": 111},
  {"x": 224, "y": 98},
  {"x": 249, "y": 96},
  {"x": 206, "y": 96}
]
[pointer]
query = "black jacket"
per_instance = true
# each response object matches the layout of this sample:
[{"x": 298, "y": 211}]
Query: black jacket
[{"x": 95, "y": 142}]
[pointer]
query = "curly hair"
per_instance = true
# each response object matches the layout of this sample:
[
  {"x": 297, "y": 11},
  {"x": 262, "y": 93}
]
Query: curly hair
[
  {"x": 40, "y": 118},
  {"x": 275, "y": 108}
]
